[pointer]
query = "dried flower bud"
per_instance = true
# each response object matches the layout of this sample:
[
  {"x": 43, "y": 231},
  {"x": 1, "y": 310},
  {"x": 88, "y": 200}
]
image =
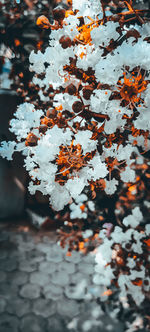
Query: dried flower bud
[
  {"x": 65, "y": 41},
  {"x": 59, "y": 13},
  {"x": 79, "y": 74},
  {"x": 146, "y": 282},
  {"x": 71, "y": 89},
  {"x": 42, "y": 129},
  {"x": 31, "y": 140},
  {"x": 77, "y": 106},
  {"x": 51, "y": 113},
  {"x": 43, "y": 22},
  {"x": 87, "y": 91}
]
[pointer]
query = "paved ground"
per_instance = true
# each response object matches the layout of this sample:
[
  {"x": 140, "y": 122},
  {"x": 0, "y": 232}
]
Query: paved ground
[{"x": 38, "y": 286}]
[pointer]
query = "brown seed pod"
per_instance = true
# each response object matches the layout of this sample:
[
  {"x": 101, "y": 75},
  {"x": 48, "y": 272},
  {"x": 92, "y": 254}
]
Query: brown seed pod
[
  {"x": 65, "y": 42},
  {"x": 31, "y": 140},
  {"x": 42, "y": 129},
  {"x": 87, "y": 91},
  {"x": 51, "y": 113},
  {"x": 59, "y": 13},
  {"x": 71, "y": 89},
  {"x": 77, "y": 106}
]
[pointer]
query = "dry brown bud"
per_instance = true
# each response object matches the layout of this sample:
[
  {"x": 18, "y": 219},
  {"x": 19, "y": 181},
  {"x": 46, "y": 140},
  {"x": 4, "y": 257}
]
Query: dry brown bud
[
  {"x": 43, "y": 129},
  {"x": 65, "y": 41},
  {"x": 51, "y": 113},
  {"x": 87, "y": 91},
  {"x": 59, "y": 13},
  {"x": 77, "y": 106},
  {"x": 31, "y": 140},
  {"x": 71, "y": 89}
]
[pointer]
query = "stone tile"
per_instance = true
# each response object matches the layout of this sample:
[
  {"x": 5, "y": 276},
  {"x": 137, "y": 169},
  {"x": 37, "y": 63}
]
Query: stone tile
[
  {"x": 3, "y": 253},
  {"x": 76, "y": 292},
  {"x": 90, "y": 258},
  {"x": 39, "y": 278},
  {"x": 60, "y": 278},
  {"x": 75, "y": 257},
  {"x": 3, "y": 276},
  {"x": 53, "y": 292},
  {"x": 30, "y": 291},
  {"x": 56, "y": 324},
  {"x": 18, "y": 307},
  {"x": 55, "y": 297},
  {"x": 8, "y": 265},
  {"x": 27, "y": 266},
  {"x": 68, "y": 308},
  {"x": 43, "y": 247},
  {"x": 78, "y": 277},
  {"x": 14, "y": 253},
  {"x": 86, "y": 268},
  {"x": 17, "y": 238},
  {"x": 7, "y": 290},
  {"x": 68, "y": 267},
  {"x": 47, "y": 267},
  {"x": 49, "y": 241},
  {"x": 32, "y": 323},
  {"x": 26, "y": 246},
  {"x": 35, "y": 256},
  {"x": 54, "y": 255},
  {"x": 2, "y": 305},
  {"x": 8, "y": 323},
  {"x": 44, "y": 307},
  {"x": 4, "y": 235},
  {"x": 17, "y": 278}
]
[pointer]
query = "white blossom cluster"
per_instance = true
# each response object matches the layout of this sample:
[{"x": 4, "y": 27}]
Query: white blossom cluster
[
  {"x": 103, "y": 135},
  {"x": 122, "y": 72},
  {"x": 130, "y": 241}
]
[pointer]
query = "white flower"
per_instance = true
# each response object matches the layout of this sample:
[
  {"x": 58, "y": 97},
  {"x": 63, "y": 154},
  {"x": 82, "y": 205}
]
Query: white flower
[
  {"x": 128, "y": 175},
  {"x": 98, "y": 170},
  {"x": 26, "y": 119},
  {"x": 7, "y": 149},
  {"x": 75, "y": 186},
  {"x": 59, "y": 197},
  {"x": 111, "y": 186},
  {"x": 84, "y": 139}
]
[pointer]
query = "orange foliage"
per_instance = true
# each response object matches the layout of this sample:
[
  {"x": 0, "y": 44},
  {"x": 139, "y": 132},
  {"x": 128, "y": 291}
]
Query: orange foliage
[
  {"x": 43, "y": 22},
  {"x": 108, "y": 292},
  {"x": 147, "y": 242},
  {"x": 138, "y": 283},
  {"x": 132, "y": 87}
]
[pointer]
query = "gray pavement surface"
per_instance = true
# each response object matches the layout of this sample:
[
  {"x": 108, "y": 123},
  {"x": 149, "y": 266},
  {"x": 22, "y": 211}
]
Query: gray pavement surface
[{"x": 40, "y": 287}]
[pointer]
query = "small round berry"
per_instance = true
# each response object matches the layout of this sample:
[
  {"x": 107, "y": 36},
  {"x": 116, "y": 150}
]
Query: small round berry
[
  {"x": 31, "y": 140},
  {"x": 59, "y": 13},
  {"x": 51, "y": 113},
  {"x": 77, "y": 106},
  {"x": 65, "y": 42},
  {"x": 87, "y": 91},
  {"x": 71, "y": 89}
]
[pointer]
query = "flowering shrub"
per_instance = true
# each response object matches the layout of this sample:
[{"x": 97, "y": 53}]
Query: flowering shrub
[{"x": 87, "y": 129}]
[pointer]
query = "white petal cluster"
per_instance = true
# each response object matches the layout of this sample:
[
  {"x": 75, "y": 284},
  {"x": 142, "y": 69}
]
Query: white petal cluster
[
  {"x": 107, "y": 252},
  {"x": 113, "y": 59}
]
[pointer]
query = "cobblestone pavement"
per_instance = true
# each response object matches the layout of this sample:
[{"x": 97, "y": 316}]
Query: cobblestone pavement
[{"x": 37, "y": 286}]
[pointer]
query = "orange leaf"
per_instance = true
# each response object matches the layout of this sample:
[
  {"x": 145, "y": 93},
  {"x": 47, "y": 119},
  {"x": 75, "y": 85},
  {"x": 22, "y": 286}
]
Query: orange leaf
[
  {"x": 108, "y": 292},
  {"x": 81, "y": 245},
  {"x": 147, "y": 242},
  {"x": 43, "y": 22},
  {"x": 68, "y": 13},
  {"x": 138, "y": 283},
  {"x": 82, "y": 207}
]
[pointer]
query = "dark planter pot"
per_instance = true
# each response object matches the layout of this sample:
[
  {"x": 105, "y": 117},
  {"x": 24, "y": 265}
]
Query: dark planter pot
[{"x": 12, "y": 174}]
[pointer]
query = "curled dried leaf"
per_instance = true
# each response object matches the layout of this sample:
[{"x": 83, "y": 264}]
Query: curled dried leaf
[{"x": 43, "y": 22}]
